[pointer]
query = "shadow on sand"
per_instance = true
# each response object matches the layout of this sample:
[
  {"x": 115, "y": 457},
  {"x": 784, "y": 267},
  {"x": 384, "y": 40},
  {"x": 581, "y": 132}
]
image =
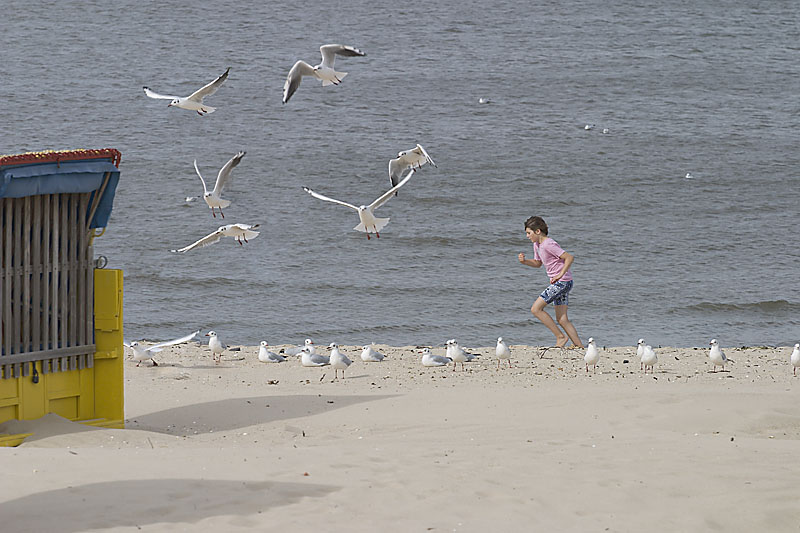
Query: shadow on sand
[
  {"x": 135, "y": 503},
  {"x": 235, "y": 413}
]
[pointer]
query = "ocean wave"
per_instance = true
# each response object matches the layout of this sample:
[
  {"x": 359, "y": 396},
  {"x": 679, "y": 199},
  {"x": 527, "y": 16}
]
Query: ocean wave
[{"x": 768, "y": 306}]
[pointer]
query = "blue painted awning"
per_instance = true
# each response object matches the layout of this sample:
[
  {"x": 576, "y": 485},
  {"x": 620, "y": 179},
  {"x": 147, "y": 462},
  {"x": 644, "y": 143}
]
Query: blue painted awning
[{"x": 80, "y": 176}]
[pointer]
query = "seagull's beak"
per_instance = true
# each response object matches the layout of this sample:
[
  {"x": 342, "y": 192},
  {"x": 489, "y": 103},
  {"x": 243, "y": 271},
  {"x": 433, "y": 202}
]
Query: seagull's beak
[
  {"x": 207, "y": 335},
  {"x": 169, "y": 104}
]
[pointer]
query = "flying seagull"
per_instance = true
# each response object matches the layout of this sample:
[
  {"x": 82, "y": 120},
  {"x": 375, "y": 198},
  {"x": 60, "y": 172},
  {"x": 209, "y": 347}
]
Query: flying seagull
[
  {"x": 324, "y": 71},
  {"x": 213, "y": 198},
  {"x": 194, "y": 101},
  {"x": 366, "y": 212},
  {"x": 142, "y": 354},
  {"x": 414, "y": 158},
  {"x": 237, "y": 231}
]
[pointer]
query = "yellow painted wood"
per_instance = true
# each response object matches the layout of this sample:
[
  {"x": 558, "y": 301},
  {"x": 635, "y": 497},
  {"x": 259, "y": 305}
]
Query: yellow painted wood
[{"x": 94, "y": 396}]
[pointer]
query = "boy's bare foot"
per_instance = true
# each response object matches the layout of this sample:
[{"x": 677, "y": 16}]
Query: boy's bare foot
[{"x": 561, "y": 341}]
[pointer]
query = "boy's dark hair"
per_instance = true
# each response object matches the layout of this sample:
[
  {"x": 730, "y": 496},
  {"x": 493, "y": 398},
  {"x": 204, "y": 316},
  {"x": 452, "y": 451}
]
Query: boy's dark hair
[{"x": 535, "y": 223}]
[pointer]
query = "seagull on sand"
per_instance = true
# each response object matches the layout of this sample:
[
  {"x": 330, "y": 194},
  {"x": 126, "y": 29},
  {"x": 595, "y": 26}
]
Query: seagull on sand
[
  {"x": 267, "y": 356},
  {"x": 237, "y": 231},
  {"x": 457, "y": 354},
  {"x": 216, "y": 345},
  {"x": 649, "y": 358},
  {"x": 502, "y": 352},
  {"x": 194, "y": 101},
  {"x": 414, "y": 158},
  {"x": 338, "y": 360},
  {"x": 717, "y": 356},
  {"x": 142, "y": 354},
  {"x": 369, "y": 222},
  {"x": 309, "y": 359},
  {"x": 795, "y": 358},
  {"x": 640, "y": 352},
  {"x": 454, "y": 350},
  {"x": 213, "y": 198},
  {"x": 371, "y": 355},
  {"x": 592, "y": 355},
  {"x": 429, "y": 359},
  {"x": 308, "y": 345},
  {"x": 324, "y": 71}
]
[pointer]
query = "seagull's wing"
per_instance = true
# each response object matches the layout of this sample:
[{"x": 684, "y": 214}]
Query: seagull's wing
[
  {"x": 425, "y": 154},
  {"x": 205, "y": 189},
  {"x": 157, "y": 96},
  {"x": 211, "y": 238},
  {"x": 396, "y": 168},
  {"x": 209, "y": 89},
  {"x": 323, "y": 197},
  {"x": 329, "y": 52},
  {"x": 388, "y": 194},
  {"x": 300, "y": 69},
  {"x": 224, "y": 175},
  {"x": 161, "y": 345}
]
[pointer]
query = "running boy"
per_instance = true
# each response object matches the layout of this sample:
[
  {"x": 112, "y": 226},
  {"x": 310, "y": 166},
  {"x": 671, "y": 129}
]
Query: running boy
[{"x": 557, "y": 262}]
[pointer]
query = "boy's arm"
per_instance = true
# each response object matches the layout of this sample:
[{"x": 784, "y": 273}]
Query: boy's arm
[
  {"x": 568, "y": 259},
  {"x": 530, "y": 262}
]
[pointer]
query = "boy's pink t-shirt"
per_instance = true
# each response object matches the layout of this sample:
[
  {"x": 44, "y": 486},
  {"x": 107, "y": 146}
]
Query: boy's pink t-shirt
[{"x": 549, "y": 253}]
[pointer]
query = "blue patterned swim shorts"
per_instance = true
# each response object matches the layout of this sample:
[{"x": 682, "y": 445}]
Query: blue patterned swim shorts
[{"x": 557, "y": 293}]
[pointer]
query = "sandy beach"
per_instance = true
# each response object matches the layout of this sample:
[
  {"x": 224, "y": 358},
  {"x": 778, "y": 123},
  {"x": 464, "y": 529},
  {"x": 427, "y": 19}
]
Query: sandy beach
[{"x": 544, "y": 445}]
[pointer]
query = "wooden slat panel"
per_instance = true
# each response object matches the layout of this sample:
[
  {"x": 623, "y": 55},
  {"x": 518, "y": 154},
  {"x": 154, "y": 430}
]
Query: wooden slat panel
[
  {"x": 82, "y": 278},
  {"x": 47, "y": 272},
  {"x": 55, "y": 269},
  {"x": 5, "y": 271},
  {"x": 36, "y": 274},
  {"x": 63, "y": 298},
  {"x": 25, "y": 303},
  {"x": 74, "y": 258},
  {"x": 17, "y": 279}
]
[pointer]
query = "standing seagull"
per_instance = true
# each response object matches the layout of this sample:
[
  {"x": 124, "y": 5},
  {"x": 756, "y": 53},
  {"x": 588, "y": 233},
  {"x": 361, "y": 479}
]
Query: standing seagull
[
  {"x": 142, "y": 354},
  {"x": 502, "y": 352},
  {"x": 338, "y": 360},
  {"x": 237, "y": 231},
  {"x": 414, "y": 158},
  {"x": 216, "y": 345},
  {"x": 640, "y": 352},
  {"x": 717, "y": 356},
  {"x": 649, "y": 358},
  {"x": 365, "y": 212},
  {"x": 371, "y": 355},
  {"x": 592, "y": 355},
  {"x": 194, "y": 101},
  {"x": 213, "y": 198},
  {"x": 795, "y": 358},
  {"x": 324, "y": 71},
  {"x": 267, "y": 356}
]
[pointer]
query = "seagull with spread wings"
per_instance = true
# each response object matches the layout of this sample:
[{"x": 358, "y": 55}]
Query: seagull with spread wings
[
  {"x": 414, "y": 158},
  {"x": 324, "y": 71},
  {"x": 142, "y": 354},
  {"x": 237, "y": 231},
  {"x": 213, "y": 198},
  {"x": 368, "y": 220},
  {"x": 194, "y": 101}
]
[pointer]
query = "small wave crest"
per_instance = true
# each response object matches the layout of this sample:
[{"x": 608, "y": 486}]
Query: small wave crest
[{"x": 769, "y": 306}]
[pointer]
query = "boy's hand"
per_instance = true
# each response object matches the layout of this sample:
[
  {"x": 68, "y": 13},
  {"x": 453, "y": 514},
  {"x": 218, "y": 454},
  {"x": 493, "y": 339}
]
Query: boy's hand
[
  {"x": 521, "y": 257},
  {"x": 553, "y": 280}
]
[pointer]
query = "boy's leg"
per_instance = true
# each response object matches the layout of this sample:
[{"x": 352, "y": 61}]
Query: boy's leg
[
  {"x": 564, "y": 322},
  {"x": 538, "y": 311}
]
